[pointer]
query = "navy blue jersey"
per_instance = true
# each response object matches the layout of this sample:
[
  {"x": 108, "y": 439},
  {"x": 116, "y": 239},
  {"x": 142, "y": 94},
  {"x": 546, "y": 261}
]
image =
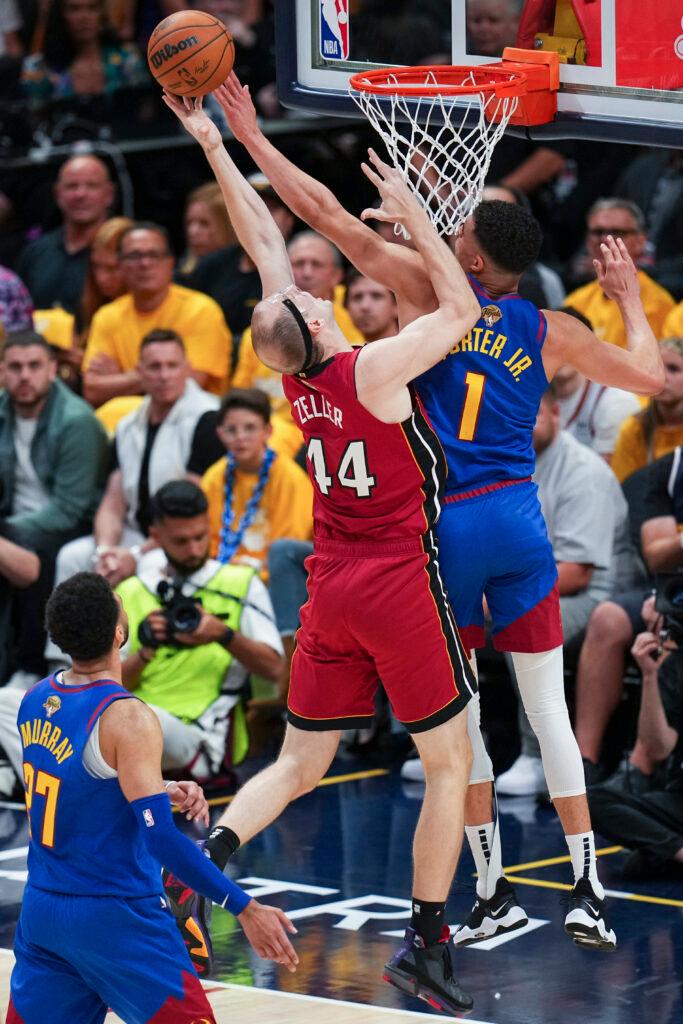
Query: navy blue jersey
[
  {"x": 482, "y": 399},
  {"x": 84, "y": 838}
]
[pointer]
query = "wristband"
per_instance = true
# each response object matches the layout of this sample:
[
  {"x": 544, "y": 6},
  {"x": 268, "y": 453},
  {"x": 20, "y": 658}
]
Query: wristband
[
  {"x": 227, "y": 637},
  {"x": 167, "y": 845}
]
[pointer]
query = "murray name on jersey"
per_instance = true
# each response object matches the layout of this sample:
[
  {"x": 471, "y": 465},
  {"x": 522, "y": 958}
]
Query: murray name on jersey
[{"x": 46, "y": 734}]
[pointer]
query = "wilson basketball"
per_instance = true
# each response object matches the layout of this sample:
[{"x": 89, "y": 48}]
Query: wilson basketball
[{"x": 190, "y": 53}]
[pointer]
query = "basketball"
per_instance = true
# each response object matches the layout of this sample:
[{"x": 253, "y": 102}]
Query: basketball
[{"x": 190, "y": 53}]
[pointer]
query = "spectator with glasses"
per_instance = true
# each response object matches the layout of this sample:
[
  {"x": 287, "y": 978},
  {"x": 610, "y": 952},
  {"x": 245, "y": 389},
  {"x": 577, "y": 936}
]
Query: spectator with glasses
[
  {"x": 622, "y": 219},
  {"x": 151, "y": 301}
]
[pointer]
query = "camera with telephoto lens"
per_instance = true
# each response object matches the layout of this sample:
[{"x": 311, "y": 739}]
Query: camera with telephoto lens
[
  {"x": 182, "y": 614},
  {"x": 669, "y": 604}
]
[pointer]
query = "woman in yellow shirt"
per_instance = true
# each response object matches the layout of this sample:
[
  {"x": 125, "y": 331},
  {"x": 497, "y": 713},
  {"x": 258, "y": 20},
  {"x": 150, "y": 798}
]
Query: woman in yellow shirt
[
  {"x": 255, "y": 495},
  {"x": 658, "y": 429}
]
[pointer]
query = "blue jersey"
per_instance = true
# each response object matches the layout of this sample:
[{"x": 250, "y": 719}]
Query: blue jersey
[
  {"x": 84, "y": 838},
  {"x": 482, "y": 399}
]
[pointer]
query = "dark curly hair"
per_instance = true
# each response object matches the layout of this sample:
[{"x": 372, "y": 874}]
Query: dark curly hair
[
  {"x": 509, "y": 235},
  {"x": 81, "y": 616}
]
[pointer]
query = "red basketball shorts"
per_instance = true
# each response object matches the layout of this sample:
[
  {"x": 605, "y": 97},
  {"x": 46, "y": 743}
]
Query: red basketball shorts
[{"x": 377, "y": 613}]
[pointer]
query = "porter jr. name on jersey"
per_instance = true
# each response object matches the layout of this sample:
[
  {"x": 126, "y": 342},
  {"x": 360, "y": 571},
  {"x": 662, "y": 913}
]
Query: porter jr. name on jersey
[{"x": 491, "y": 343}]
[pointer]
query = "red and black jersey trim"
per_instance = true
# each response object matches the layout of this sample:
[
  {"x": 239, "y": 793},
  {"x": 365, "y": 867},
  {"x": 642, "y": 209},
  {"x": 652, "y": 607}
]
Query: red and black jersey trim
[
  {"x": 429, "y": 457},
  {"x": 464, "y": 677}
]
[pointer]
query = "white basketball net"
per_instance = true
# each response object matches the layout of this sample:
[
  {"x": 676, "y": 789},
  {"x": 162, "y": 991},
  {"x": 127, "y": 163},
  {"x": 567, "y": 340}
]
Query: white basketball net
[{"x": 442, "y": 144}]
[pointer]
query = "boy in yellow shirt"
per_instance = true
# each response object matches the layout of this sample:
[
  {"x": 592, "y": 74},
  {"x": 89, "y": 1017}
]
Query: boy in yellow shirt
[{"x": 255, "y": 495}]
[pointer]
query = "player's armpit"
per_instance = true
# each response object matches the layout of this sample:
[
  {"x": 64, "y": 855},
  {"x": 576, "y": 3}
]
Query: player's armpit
[{"x": 131, "y": 742}]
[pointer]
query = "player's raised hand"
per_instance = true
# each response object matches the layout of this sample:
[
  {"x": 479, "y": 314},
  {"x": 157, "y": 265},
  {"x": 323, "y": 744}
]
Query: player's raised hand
[
  {"x": 616, "y": 272},
  {"x": 194, "y": 119},
  {"x": 189, "y": 798},
  {"x": 398, "y": 202},
  {"x": 235, "y": 101},
  {"x": 266, "y": 929}
]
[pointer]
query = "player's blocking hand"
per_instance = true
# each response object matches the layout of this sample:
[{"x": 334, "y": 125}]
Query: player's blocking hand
[
  {"x": 235, "y": 101},
  {"x": 266, "y": 930},
  {"x": 189, "y": 798},
  {"x": 398, "y": 202},
  {"x": 616, "y": 272}
]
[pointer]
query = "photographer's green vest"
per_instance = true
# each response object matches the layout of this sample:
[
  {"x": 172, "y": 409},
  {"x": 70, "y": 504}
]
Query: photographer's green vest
[{"x": 185, "y": 680}]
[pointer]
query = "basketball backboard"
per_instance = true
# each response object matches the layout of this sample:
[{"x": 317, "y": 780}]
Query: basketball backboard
[{"x": 622, "y": 80}]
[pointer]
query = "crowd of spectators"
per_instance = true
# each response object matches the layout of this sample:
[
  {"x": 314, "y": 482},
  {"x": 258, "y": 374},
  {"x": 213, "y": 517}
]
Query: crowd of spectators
[{"x": 141, "y": 437}]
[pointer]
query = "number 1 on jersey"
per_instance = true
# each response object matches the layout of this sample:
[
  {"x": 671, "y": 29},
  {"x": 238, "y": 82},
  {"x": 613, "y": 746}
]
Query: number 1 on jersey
[{"x": 474, "y": 382}]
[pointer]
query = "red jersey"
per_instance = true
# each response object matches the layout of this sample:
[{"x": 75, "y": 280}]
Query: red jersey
[{"x": 373, "y": 481}]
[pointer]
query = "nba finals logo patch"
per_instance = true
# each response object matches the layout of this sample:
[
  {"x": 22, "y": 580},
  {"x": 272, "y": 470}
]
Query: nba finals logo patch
[
  {"x": 52, "y": 704},
  {"x": 491, "y": 315},
  {"x": 334, "y": 29},
  {"x": 149, "y": 817}
]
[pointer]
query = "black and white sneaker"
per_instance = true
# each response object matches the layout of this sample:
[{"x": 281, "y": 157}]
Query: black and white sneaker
[
  {"x": 586, "y": 919},
  {"x": 502, "y": 913}
]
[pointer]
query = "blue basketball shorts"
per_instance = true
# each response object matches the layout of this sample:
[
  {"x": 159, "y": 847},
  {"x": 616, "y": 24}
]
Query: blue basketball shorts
[
  {"x": 494, "y": 544},
  {"x": 77, "y": 956}
]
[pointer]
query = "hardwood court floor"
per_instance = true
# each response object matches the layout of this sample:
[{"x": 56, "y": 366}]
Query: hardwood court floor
[
  {"x": 239, "y": 1004},
  {"x": 338, "y": 862}
]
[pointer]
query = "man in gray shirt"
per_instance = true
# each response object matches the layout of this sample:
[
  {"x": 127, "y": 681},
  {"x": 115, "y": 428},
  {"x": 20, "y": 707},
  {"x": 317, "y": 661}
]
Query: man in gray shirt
[{"x": 587, "y": 519}]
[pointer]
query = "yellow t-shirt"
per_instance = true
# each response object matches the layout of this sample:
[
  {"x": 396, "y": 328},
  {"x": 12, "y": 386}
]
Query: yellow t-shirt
[
  {"x": 112, "y": 412},
  {"x": 604, "y": 313},
  {"x": 118, "y": 328},
  {"x": 250, "y": 372},
  {"x": 285, "y": 510},
  {"x": 673, "y": 325},
  {"x": 56, "y": 325},
  {"x": 630, "y": 452}
]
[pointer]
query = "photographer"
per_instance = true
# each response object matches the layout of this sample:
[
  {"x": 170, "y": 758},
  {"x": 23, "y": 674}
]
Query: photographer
[
  {"x": 197, "y": 630},
  {"x": 641, "y": 806}
]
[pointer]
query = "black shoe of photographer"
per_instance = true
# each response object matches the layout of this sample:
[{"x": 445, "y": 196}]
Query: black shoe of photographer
[
  {"x": 642, "y": 866},
  {"x": 594, "y": 774}
]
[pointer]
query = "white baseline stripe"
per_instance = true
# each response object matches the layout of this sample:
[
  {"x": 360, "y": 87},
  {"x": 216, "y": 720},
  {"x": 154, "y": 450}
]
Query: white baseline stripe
[
  {"x": 332, "y": 1002},
  {"x": 316, "y": 999},
  {"x": 20, "y": 851}
]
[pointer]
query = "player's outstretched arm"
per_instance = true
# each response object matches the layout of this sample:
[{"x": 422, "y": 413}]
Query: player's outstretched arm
[
  {"x": 132, "y": 743},
  {"x": 396, "y": 267},
  {"x": 638, "y": 368},
  {"x": 384, "y": 368},
  {"x": 254, "y": 226}
]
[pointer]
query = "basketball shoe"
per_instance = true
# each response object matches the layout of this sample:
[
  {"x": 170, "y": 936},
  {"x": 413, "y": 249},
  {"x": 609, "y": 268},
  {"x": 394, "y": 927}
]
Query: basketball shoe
[
  {"x": 488, "y": 918},
  {"x": 586, "y": 920},
  {"x": 427, "y": 972},
  {"x": 193, "y": 916}
]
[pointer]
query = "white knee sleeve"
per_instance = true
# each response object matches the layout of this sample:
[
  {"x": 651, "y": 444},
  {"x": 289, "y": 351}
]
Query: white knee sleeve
[
  {"x": 540, "y": 679},
  {"x": 482, "y": 769}
]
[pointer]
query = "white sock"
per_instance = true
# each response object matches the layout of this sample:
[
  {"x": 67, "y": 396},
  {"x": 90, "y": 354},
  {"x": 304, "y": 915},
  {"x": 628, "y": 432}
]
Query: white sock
[
  {"x": 484, "y": 843},
  {"x": 584, "y": 863}
]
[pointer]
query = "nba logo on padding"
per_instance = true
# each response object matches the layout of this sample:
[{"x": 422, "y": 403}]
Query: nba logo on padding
[{"x": 334, "y": 29}]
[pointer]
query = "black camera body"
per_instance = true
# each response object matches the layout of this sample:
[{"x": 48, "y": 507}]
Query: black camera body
[
  {"x": 669, "y": 603},
  {"x": 182, "y": 614}
]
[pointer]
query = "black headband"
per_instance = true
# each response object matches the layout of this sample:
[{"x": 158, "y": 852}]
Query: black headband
[{"x": 305, "y": 333}]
